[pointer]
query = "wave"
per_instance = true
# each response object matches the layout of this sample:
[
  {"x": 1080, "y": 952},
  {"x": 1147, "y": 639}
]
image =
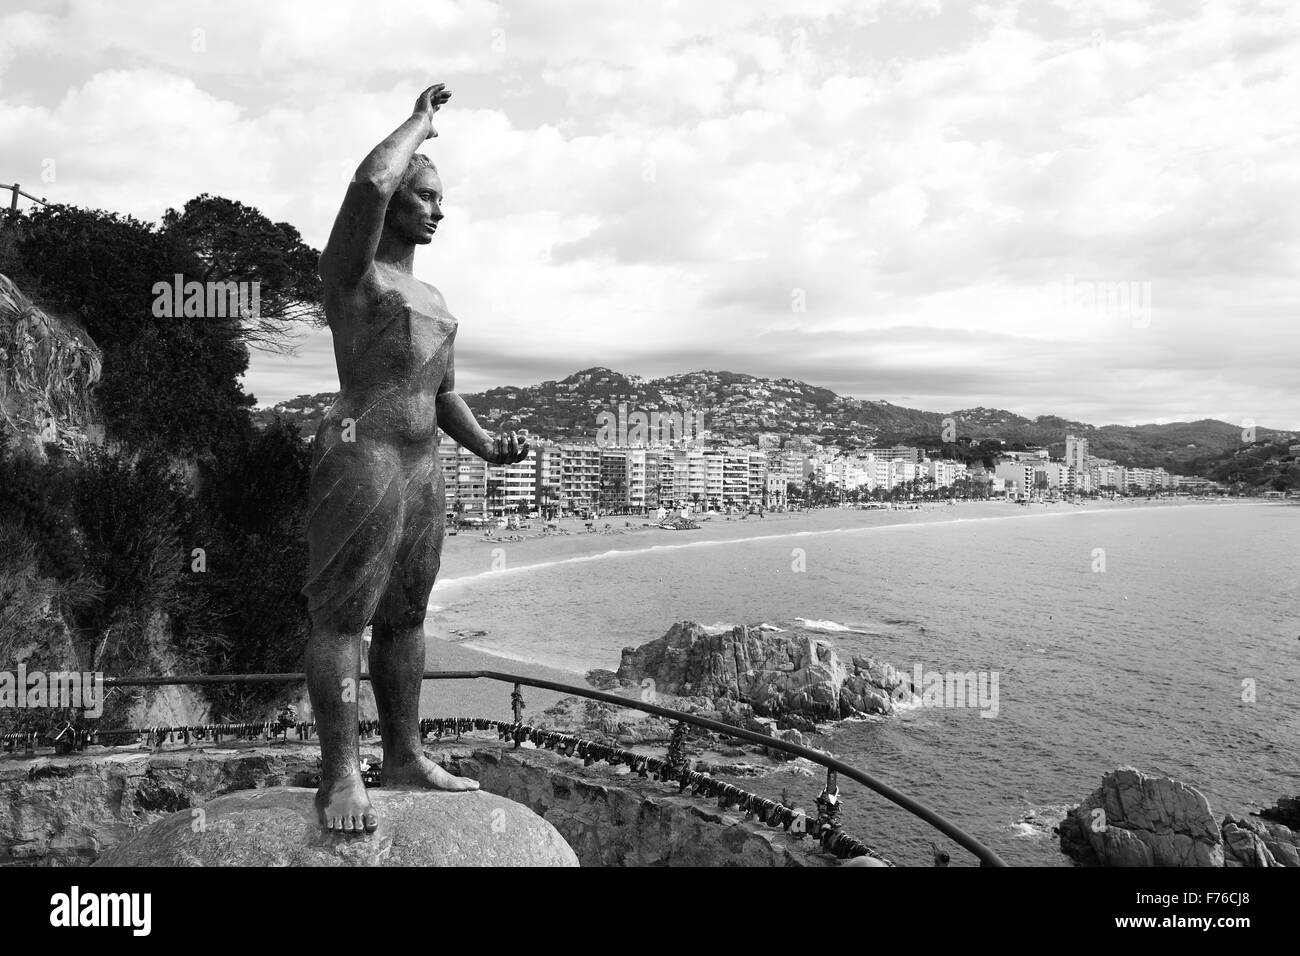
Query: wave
[
  {"x": 496, "y": 651},
  {"x": 1038, "y": 822},
  {"x": 833, "y": 627}
]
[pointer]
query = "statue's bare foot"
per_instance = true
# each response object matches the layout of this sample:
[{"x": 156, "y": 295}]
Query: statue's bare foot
[
  {"x": 343, "y": 807},
  {"x": 422, "y": 773}
]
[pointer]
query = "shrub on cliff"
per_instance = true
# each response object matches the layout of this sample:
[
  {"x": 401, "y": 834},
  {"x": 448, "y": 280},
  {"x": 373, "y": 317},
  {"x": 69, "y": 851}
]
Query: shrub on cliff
[
  {"x": 33, "y": 627},
  {"x": 169, "y": 382},
  {"x": 252, "y": 506},
  {"x": 175, "y": 388},
  {"x": 105, "y": 550},
  {"x": 132, "y": 513},
  {"x": 37, "y": 509}
]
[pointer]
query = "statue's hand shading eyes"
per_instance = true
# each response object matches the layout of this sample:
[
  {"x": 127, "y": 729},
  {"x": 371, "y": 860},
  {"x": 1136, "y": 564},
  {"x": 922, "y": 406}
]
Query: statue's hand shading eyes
[{"x": 428, "y": 103}]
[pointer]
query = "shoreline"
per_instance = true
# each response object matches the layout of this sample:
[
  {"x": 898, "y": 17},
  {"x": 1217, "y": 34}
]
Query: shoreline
[{"x": 470, "y": 562}]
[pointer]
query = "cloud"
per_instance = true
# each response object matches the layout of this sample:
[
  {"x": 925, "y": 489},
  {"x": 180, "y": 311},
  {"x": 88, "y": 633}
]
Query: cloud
[{"x": 875, "y": 197}]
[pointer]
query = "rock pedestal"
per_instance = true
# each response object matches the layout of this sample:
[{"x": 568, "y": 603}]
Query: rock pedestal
[{"x": 277, "y": 826}]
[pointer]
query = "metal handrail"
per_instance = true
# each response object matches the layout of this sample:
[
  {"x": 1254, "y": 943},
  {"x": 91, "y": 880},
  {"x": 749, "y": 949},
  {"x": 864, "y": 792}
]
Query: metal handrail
[{"x": 985, "y": 855}]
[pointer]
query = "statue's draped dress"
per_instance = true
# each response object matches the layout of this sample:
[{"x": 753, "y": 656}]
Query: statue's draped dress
[{"x": 376, "y": 508}]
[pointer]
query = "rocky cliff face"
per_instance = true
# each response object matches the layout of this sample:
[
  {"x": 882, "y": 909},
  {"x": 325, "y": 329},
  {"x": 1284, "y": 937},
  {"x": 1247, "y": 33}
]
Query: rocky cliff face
[
  {"x": 48, "y": 367},
  {"x": 775, "y": 673},
  {"x": 1135, "y": 819}
]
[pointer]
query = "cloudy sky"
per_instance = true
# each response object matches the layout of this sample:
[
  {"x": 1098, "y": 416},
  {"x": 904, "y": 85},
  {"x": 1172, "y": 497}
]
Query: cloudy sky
[{"x": 1052, "y": 206}]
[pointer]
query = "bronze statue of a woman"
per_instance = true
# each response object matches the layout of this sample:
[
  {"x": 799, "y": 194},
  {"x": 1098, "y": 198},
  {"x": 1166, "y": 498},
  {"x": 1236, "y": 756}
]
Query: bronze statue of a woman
[{"x": 376, "y": 512}]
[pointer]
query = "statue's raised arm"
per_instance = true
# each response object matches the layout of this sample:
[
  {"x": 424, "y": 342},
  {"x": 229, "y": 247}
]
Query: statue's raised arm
[{"x": 355, "y": 237}]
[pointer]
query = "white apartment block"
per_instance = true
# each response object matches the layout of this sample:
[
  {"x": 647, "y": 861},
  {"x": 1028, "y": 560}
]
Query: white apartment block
[
  {"x": 615, "y": 476},
  {"x": 664, "y": 493},
  {"x": 547, "y": 475},
  {"x": 860, "y": 474},
  {"x": 793, "y": 467},
  {"x": 882, "y": 474},
  {"x": 1019, "y": 477},
  {"x": 471, "y": 482},
  {"x": 690, "y": 477},
  {"x": 776, "y": 489},
  {"x": 757, "y": 478},
  {"x": 580, "y": 468},
  {"x": 714, "y": 464},
  {"x": 944, "y": 472},
  {"x": 510, "y": 487},
  {"x": 1076, "y": 453},
  {"x": 903, "y": 471},
  {"x": 1137, "y": 480},
  {"x": 905, "y": 452},
  {"x": 1059, "y": 475},
  {"x": 735, "y": 478},
  {"x": 642, "y": 478}
]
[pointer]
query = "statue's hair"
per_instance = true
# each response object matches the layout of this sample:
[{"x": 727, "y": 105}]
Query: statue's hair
[{"x": 418, "y": 162}]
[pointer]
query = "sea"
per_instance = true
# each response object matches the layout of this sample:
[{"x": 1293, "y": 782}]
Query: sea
[{"x": 1163, "y": 637}]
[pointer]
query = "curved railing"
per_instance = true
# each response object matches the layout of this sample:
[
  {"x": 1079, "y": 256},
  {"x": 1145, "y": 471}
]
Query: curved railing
[{"x": 985, "y": 855}]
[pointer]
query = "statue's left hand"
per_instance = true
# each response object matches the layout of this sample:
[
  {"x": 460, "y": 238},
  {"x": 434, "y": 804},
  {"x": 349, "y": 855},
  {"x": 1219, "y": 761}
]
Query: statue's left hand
[{"x": 508, "y": 448}]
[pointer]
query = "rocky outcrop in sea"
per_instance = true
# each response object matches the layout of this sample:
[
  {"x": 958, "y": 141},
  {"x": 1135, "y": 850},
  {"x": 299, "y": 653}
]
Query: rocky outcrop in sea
[
  {"x": 1137, "y": 819},
  {"x": 791, "y": 678}
]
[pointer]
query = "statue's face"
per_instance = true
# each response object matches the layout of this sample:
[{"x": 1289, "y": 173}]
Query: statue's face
[{"x": 415, "y": 209}]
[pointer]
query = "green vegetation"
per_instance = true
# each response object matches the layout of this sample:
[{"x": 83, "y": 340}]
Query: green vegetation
[
  {"x": 1261, "y": 466},
  {"x": 180, "y": 539}
]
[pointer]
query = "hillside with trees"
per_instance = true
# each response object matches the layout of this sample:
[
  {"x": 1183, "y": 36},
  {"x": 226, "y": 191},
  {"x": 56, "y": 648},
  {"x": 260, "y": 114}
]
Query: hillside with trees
[
  {"x": 743, "y": 408},
  {"x": 169, "y": 535}
]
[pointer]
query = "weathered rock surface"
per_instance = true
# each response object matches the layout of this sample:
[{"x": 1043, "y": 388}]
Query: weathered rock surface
[
  {"x": 1243, "y": 844},
  {"x": 1286, "y": 812},
  {"x": 71, "y": 809},
  {"x": 49, "y": 366},
  {"x": 175, "y": 706},
  {"x": 775, "y": 673},
  {"x": 66, "y": 810},
  {"x": 1248, "y": 842},
  {"x": 608, "y": 723},
  {"x": 632, "y": 822},
  {"x": 602, "y": 679},
  {"x": 1138, "y": 820},
  {"x": 278, "y": 827}
]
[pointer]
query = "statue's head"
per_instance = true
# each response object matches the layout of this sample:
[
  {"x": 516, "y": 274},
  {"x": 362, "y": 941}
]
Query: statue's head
[{"x": 416, "y": 208}]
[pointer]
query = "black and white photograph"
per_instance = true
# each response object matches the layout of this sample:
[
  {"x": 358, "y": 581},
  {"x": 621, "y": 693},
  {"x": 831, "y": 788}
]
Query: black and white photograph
[{"x": 483, "y": 435}]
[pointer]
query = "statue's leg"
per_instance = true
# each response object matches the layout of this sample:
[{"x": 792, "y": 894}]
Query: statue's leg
[
  {"x": 333, "y": 676},
  {"x": 353, "y": 534},
  {"x": 397, "y": 644}
]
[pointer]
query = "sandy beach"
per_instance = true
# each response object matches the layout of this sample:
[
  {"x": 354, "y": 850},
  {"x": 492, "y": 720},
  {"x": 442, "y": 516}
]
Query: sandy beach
[{"x": 469, "y": 554}]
